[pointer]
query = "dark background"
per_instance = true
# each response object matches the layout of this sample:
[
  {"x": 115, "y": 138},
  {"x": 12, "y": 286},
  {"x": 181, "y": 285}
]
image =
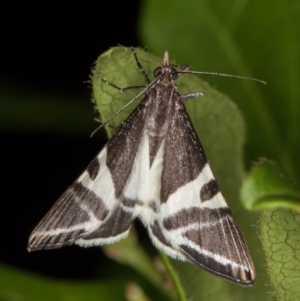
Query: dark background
[{"x": 50, "y": 47}]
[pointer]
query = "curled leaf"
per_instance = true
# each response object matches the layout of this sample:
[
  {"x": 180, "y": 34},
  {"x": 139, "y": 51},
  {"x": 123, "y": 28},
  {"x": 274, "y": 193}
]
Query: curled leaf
[{"x": 268, "y": 186}]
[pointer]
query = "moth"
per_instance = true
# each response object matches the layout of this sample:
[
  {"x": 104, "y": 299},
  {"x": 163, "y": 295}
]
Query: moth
[{"x": 153, "y": 168}]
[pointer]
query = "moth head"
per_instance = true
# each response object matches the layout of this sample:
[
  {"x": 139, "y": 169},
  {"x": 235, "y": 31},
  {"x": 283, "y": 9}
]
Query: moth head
[{"x": 165, "y": 68}]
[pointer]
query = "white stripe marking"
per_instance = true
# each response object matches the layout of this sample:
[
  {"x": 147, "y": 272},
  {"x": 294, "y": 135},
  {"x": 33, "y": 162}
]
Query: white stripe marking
[
  {"x": 188, "y": 196},
  {"x": 197, "y": 226}
]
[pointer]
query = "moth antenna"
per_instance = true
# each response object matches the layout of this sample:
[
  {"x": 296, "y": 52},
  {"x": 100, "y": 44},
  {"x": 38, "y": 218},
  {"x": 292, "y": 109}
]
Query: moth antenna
[{"x": 223, "y": 75}]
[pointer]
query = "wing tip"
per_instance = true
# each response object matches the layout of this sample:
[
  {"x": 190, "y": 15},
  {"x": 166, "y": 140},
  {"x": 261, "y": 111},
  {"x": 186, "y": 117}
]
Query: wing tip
[
  {"x": 242, "y": 274},
  {"x": 37, "y": 243},
  {"x": 34, "y": 247}
]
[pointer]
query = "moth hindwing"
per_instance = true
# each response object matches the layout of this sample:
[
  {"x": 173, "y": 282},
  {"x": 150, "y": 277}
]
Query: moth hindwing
[{"x": 154, "y": 168}]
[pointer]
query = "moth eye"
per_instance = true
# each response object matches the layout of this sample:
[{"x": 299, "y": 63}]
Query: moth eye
[
  {"x": 174, "y": 73},
  {"x": 157, "y": 72}
]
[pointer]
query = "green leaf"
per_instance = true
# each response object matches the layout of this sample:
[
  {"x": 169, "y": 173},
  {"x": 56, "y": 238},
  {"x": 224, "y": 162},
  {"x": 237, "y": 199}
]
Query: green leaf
[
  {"x": 215, "y": 118},
  {"x": 251, "y": 38},
  {"x": 281, "y": 244},
  {"x": 268, "y": 186},
  {"x": 16, "y": 285}
]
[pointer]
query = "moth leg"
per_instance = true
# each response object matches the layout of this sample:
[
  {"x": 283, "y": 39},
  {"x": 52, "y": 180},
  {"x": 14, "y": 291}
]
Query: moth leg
[
  {"x": 189, "y": 96},
  {"x": 123, "y": 90},
  {"x": 140, "y": 66},
  {"x": 181, "y": 68}
]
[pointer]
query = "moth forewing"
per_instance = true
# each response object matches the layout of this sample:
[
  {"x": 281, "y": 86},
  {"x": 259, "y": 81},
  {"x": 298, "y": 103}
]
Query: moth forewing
[{"x": 154, "y": 168}]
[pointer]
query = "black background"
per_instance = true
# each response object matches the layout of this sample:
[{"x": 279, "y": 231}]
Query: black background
[{"x": 51, "y": 46}]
